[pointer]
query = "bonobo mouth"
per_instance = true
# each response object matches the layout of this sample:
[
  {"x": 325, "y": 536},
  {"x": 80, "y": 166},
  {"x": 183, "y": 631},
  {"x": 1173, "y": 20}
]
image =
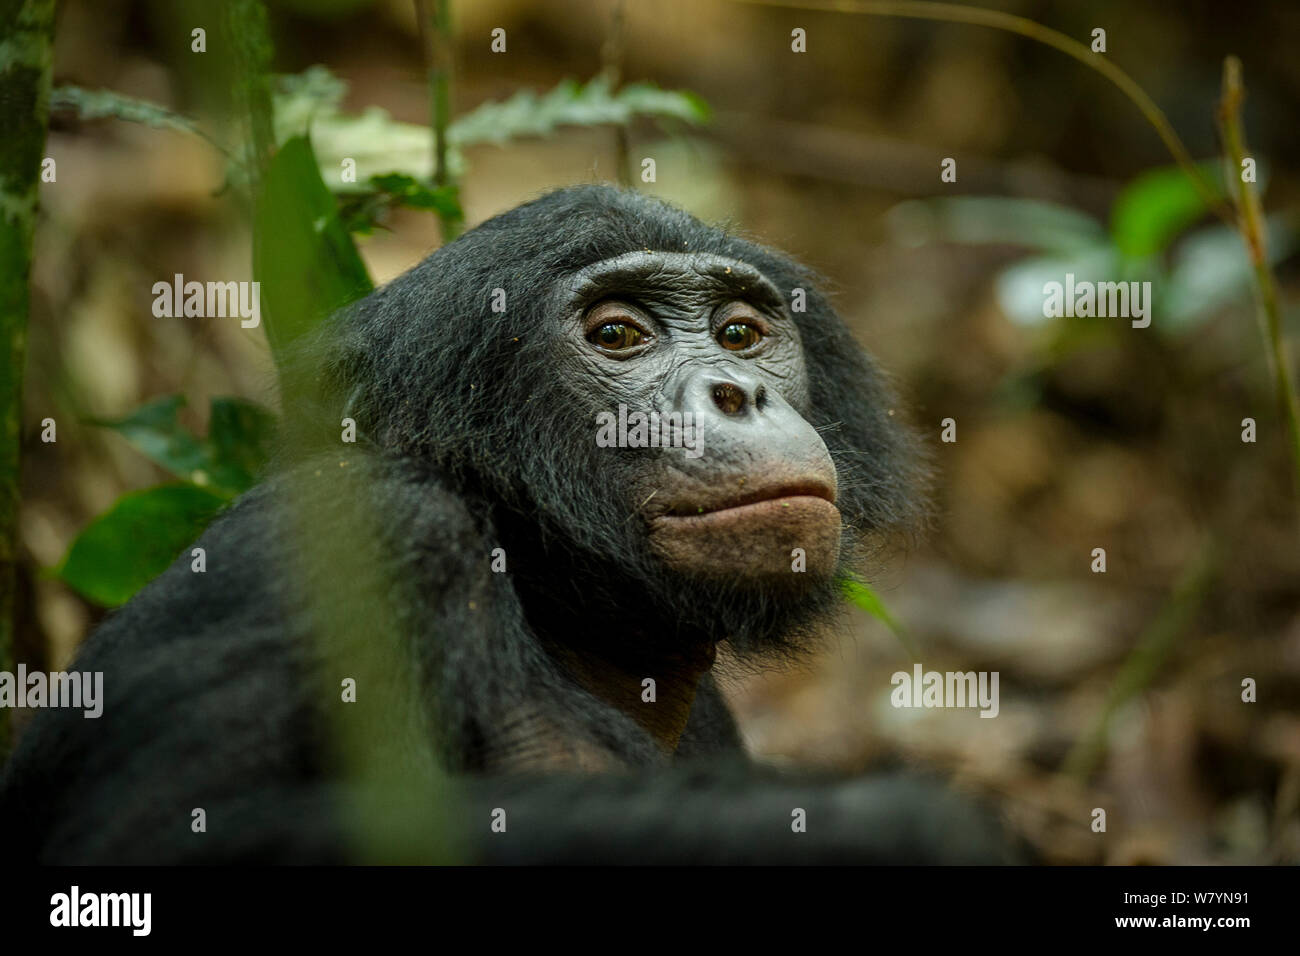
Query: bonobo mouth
[
  {"x": 779, "y": 531},
  {"x": 739, "y": 502}
]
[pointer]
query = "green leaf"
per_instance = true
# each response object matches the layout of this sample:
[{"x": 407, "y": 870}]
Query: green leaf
[
  {"x": 406, "y": 190},
  {"x": 136, "y": 540},
  {"x": 864, "y": 597},
  {"x": 570, "y": 103},
  {"x": 411, "y": 192},
  {"x": 310, "y": 103},
  {"x": 153, "y": 429},
  {"x": 226, "y": 462},
  {"x": 646, "y": 99},
  {"x": 302, "y": 255},
  {"x": 240, "y": 436},
  {"x": 1211, "y": 269},
  {"x": 391, "y": 190},
  {"x": 363, "y": 213},
  {"x": 1156, "y": 206},
  {"x": 380, "y": 145}
]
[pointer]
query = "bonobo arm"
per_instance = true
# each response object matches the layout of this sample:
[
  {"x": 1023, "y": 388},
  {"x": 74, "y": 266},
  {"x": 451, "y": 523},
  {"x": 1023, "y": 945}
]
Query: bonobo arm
[{"x": 734, "y": 815}]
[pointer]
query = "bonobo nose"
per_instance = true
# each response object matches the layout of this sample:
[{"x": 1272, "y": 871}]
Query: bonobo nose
[
  {"x": 746, "y": 432},
  {"x": 733, "y": 399},
  {"x": 734, "y": 393}
]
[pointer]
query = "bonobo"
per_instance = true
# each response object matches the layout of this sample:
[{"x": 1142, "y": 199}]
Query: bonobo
[{"x": 476, "y": 632}]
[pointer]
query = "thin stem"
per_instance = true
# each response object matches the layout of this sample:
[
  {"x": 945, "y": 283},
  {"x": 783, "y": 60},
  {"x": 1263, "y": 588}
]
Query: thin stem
[
  {"x": 434, "y": 18},
  {"x": 1254, "y": 234},
  {"x": 246, "y": 24},
  {"x": 611, "y": 55}
]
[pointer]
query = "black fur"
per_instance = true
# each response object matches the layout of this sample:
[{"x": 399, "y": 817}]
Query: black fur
[{"x": 372, "y": 562}]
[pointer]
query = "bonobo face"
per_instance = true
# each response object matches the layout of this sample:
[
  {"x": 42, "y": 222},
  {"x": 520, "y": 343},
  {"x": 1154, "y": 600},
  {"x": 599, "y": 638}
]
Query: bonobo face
[{"x": 706, "y": 344}]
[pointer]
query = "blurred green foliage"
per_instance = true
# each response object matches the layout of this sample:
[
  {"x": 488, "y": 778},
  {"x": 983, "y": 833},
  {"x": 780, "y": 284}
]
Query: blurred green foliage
[
  {"x": 302, "y": 255},
  {"x": 863, "y": 596},
  {"x": 138, "y": 538},
  {"x": 392, "y": 162},
  {"x": 105, "y": 104},
  {"x": 239, "y": 440},
  {"x": 1193, "y": 271}
]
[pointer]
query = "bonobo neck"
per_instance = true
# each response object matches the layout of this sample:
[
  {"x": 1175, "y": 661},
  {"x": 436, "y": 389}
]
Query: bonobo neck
[
  {"x": 602, "y": 629},
  {"x": 658, "y": 694},
  {"x": 643, "y": 668}
]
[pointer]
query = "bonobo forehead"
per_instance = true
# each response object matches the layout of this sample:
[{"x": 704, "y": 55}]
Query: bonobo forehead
[{"x": 666, "y": 274}]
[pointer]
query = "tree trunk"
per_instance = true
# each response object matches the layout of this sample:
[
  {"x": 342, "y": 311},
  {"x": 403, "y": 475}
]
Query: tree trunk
[{"x": 26, "y": 48}]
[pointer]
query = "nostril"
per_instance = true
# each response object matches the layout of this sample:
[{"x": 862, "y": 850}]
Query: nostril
[
  {"x": 729, "y": 398},
  {"x": 760, "y": 398}
]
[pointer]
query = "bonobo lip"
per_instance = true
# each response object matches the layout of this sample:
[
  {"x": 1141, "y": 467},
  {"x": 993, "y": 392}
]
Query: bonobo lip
[{"x": 715, "y": 501}]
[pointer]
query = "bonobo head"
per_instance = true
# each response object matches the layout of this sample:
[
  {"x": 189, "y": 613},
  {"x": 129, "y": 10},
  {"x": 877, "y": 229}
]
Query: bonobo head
[
  {"x": 705, "y": 343},
  {"x": 667, "y": 417}
]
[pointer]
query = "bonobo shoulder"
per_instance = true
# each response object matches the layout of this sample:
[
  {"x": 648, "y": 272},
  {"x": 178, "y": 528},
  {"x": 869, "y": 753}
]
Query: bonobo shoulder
[{"x": 271, "y": 551}]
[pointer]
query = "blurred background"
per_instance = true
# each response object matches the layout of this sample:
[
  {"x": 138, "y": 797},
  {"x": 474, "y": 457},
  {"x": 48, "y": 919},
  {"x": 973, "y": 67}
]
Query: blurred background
[{"x": 1120, "y": 690}]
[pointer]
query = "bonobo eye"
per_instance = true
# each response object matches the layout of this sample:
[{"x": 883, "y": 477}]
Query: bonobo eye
[
  {"x": 738, "y": 336},
  {"x": 616, "y": 336},
  {"x": 614, "y": 327}
]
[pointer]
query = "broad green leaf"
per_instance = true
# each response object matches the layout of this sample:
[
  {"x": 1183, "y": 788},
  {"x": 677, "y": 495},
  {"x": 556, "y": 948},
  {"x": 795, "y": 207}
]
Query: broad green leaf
[
  {"x": 1156, "y": 206},
  {"x": 303, "y": 257},
  {"x": 310, "y": 103},
  {"x": 136, "y": 540},
  {"x": 153, "y": 429},
  {"x": 226, "y": 462}
]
